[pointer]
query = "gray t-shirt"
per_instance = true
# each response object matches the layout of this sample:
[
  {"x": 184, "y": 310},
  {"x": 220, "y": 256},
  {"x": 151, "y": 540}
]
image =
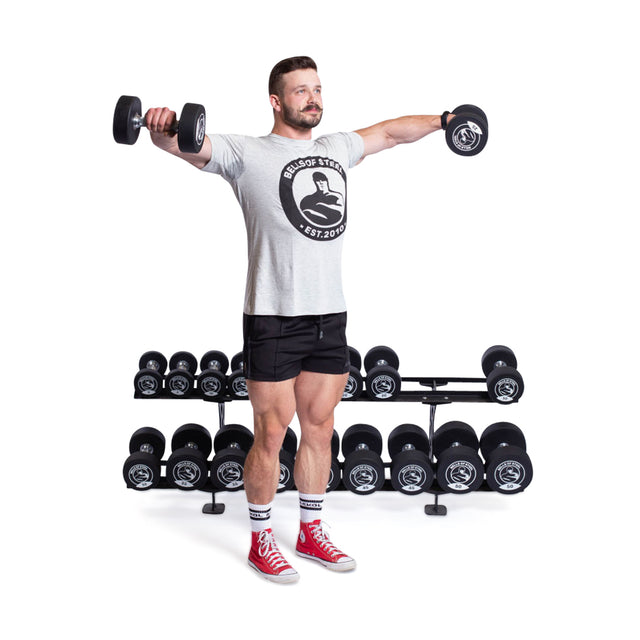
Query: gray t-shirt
[{"x": 293, "y": 194}]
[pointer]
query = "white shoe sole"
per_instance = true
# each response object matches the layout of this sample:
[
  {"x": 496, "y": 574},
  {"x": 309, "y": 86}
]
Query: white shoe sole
[
  {"x": 332, "y": 566},
  {"x": 281, "y": 579}
]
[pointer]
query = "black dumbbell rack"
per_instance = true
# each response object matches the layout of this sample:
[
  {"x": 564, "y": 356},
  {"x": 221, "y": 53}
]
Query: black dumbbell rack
[{"x": 434, "y": 396}]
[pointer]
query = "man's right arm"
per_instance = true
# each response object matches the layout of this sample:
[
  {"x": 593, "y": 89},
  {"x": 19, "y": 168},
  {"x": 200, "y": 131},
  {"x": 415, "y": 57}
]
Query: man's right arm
[{"x": 159, "y": 122}]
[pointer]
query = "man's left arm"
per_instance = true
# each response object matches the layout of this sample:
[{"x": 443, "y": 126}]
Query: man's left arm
[{"x": 389, "y": 133}]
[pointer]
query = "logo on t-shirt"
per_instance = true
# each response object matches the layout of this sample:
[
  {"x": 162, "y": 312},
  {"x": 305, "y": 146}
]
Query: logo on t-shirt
[{"x": 313, "y": 193}]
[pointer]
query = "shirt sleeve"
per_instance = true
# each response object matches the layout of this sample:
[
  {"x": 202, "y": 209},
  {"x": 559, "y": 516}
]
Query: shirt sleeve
[
  {"x": 227, "y": 156},
  {"x": 356, "y": 148}
]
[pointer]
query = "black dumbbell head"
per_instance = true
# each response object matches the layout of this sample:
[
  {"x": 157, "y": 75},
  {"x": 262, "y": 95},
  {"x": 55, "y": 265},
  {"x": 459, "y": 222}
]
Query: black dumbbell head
[
  {"x": 290, "y": 443},
  {"x": 498, "y": 356},
  {"x": 148, "y": 436},
  {"x": 411, "y": 472},
  {"x": 501, "y": 433},
  {"x": 126, "y": 109},
  {"x": 407, "y": 434},
  {"x": 233, "y": 434},
  {"x": 153, "y": 360},
  {"x": 355, "y": 358},
  {"x": 505, "y": 385},
  {"x": 192, "y": 434},
  {"x": 381, "y": 355},
  {"x": 363, "y": 472},
  {"x": 454, "y": 432},
  {"x": 191, "y": 128},
  {"x": 361, "y": 434},
  {"x": 471, "y": 108},
  {"x": 236, "y": 361},
  {"x": 183, "y": 357},
  {"x": 467, "y": 134},
  {"x": 285, "y": 480},
  {"x": 216, "y": 358},
  {"x": 353, "y": 387}
]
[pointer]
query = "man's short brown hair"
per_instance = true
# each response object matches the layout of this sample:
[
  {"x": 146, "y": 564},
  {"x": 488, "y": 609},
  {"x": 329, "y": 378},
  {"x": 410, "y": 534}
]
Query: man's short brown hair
[{"x": 285, "y": 66}]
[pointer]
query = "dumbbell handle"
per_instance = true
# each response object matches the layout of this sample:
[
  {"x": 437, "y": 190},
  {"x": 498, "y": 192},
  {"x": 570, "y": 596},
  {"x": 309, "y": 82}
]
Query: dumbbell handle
[
  {"x": 140, "y": 122},
  {"x": 182, "y": 365},
  {"x": 214, "y": 364},
  {"x": 146, "y": 448},
  {"x": 408, "y": 447},
  {"x": 362, "y": 447}
]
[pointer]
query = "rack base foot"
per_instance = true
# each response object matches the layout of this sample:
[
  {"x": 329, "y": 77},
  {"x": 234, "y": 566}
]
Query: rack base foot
[
  {"x": 435, "y": 510},
  {"x": 213, "y": 507}
]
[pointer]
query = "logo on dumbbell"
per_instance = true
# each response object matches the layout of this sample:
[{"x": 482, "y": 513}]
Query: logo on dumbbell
[
  {"x": 363, "y": 477},
  {"x": 230, "y": 475},
  {"x": 186, "y": 474},
  {"x": 466, "y": 136},
  {"x": 510, "y": 475},
  {"x": 506, "y": 389},
  {"x": 460, "y": 474},
  {"x": 141, "y": 476},
  {"x": 412, "y": 478},
  {"x": 383, "y": 387}
]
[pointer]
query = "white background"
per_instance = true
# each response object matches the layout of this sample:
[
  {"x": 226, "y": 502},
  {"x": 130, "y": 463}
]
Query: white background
[{"x": 109, "y": 250}]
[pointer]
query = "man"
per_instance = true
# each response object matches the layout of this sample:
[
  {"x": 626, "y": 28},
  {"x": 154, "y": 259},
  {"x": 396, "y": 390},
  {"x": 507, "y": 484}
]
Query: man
[{"x": 295, "y": 350}]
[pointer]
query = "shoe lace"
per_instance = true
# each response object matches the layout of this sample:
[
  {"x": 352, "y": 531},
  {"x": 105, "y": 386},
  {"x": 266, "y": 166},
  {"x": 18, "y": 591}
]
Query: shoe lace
[
  {"x": 268, "y": 549},
  {"x": 322, "y": 539}
]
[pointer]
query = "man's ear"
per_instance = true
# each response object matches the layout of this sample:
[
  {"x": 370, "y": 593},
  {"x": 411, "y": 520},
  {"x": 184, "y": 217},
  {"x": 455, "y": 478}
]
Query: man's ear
[{"x": 275, "y": 102}]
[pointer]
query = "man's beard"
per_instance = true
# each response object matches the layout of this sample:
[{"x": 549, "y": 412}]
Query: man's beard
[{"x": 301, "y": 120}]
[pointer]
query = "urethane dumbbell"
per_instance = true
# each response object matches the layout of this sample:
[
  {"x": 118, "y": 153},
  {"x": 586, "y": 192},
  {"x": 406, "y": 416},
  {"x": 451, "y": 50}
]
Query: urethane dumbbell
[
  {"x": 181, "y": 377},
  {"x": 363, "y": 470},
  {"x": 504, "y": 382},
  {"x": 287, "y": 460},
  {"x": 334, "y": 474},
  {"x": 353, "y": 388},
  {"x": 148, "y": 380},
  {"x": 128, "y": 119},
  {"x": 467, "y": 133},
  {"x": 459, "y": 469},
  {"x": 187, "y": 467},
  {"x": 231, "y": 444},
  {"x": 212, "y": 380},
  {"x": 383, "y": 380},
  {"x": 141, "y": 469},
  {"x": 236, "y": 382},
  {"x": 411, "y": 471},
  {"x": 507, "y": 463}
]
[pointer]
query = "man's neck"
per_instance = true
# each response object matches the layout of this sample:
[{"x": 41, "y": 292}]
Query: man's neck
[{"x": 287, "y": 131}]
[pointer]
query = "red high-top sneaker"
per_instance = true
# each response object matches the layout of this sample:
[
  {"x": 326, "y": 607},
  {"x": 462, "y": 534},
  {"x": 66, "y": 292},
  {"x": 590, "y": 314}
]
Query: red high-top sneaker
[
  {"x": 266, "y": 559},
  {"x": 313, "y": 543}
]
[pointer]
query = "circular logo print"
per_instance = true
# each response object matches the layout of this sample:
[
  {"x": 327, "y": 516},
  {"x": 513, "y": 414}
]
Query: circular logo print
[
  {"x": 147, "y": 385},
  {"x": 350, "y": 388},
  {"x": 412, "y": 478},
  {"x": 211, "y": 386},
  {"x": 141, "y": 476},
  {"x": 509, "y": 475},
  {"x": 467, "y": 136},
  {"x": 285, "y": 476},
  {"x": 200, "y": 129},
  {"x": 239, "y": 386},
  {"x": 313, "y": 193},
  {"x": 506, "y": 389},
  {"x": 178, "y": 385},
  {"x": 383, "y": 387},
  {"x": 460, "y": 475},
  {"x": 230, "y": 475},
  {"x": 186, "y": 474},
  {"x": 363, "y": 478}
]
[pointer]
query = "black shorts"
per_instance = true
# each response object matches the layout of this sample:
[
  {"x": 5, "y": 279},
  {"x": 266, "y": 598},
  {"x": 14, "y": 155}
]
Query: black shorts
[{"x": 280, "y": 347}]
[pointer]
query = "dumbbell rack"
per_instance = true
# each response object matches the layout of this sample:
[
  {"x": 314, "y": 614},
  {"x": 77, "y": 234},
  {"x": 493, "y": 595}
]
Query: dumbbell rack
[{"x": 433, "y": 397}]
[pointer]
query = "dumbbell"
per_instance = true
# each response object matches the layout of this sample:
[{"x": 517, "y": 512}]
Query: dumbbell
[
  {"x": 353, "y": 388},
  {"x": 504, "y": 382},
  {"x": 287, "y": 460},
  {"x": 334, "y": 474},
  {"x": 187, "y": 467},
  {"x": 507, "y": 463},
  {"x": 128, "y": 119},
  {"x": 148, "y": 380},
  {"x": 212, "y": 380},
  {"x": 383, "y": 380},
  {"x": 180, "y": 379},
  {"x": 363, "y": 470},
  {"x": 141, "y": 469},
  {"x": 467, "y": 133},
  {"x": 411, "y": 471},
  {"x": 236, "y": 382},
  {"x": 459, "y": 469},
  {"x": 231, "y": 444}
]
